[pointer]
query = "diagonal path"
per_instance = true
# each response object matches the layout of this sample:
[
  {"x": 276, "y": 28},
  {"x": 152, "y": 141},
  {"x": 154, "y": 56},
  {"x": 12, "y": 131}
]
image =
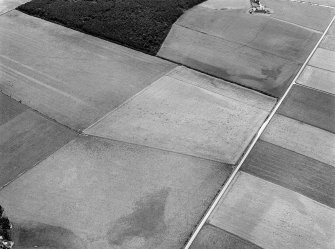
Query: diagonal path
[
  {"x": 123, "y": 182},
  {"x": 261, "y": 52},
  {"x": 304, "y": 182}
]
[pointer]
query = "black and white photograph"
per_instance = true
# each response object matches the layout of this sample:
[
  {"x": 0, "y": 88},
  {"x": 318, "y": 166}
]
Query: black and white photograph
[{"x": 167, "y": 124}]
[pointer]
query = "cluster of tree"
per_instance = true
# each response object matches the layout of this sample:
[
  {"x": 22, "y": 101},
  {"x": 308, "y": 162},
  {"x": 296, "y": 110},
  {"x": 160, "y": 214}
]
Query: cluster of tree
[{"x": 5, "y": 229}]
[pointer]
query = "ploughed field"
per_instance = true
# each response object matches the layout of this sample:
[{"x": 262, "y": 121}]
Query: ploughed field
[{"x": 140, "y": 24}]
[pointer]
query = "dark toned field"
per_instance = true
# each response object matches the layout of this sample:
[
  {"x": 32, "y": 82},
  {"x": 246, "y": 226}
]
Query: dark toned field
[{"x": 139, "y": 24}]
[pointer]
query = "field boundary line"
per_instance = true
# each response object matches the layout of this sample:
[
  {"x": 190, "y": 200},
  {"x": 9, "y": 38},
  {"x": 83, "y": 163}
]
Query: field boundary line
[{"x": 252, "y": 144}]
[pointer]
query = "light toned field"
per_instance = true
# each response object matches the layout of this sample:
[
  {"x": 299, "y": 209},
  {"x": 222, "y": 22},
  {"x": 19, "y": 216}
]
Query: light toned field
[{"x": 116, "y": 149}]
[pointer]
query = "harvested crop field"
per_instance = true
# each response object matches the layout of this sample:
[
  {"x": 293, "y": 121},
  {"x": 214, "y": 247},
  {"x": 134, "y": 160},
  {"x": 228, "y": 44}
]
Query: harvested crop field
[{"x": 139, "y": 24}]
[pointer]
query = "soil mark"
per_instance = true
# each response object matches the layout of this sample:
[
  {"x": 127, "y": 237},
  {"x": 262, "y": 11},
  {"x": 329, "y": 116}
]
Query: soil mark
[{"x": 144, "y": 227}]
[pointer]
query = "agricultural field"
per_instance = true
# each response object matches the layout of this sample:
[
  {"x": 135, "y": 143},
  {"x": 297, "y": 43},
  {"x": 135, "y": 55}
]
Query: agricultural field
[{"x": 139, "y": 24}]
